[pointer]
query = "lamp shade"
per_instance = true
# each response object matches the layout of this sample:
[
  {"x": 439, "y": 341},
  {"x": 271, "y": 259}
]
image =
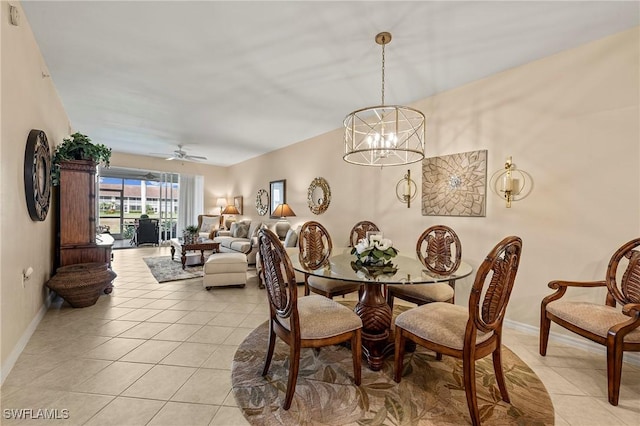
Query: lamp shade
[
  {"x": 283, "y": 210},
  {"x": 230, "y": 209},
  {"x": 221, "y": 202}
]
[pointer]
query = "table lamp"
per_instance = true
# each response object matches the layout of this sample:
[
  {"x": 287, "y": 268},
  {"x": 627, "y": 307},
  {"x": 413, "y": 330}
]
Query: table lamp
[
  {"x": 231, "y": 211},
  {"x": 282, "y": 226}
]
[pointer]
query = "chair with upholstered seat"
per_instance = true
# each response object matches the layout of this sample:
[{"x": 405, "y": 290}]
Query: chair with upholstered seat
[
  {"x": 440, "y": 251},
  {"x": 306, "y": 322},
  {"x": 148, "y": 231},
  {"x": 359, "y": 231},
  {"x": 315, "y": 247},
  {"x": 617, "y": 328},
  {"x": 469, "y": 334}
]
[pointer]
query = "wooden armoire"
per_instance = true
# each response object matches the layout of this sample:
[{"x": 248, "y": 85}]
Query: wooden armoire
[{"x": 76, "y": 218}]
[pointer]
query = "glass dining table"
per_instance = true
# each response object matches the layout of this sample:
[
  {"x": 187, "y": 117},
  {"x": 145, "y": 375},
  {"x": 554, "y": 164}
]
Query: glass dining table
[{"x": 376, "y": 315}]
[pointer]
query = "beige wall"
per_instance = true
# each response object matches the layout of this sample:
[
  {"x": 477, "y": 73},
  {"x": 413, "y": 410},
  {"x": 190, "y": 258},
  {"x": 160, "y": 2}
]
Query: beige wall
[
  {"x": 29, "y": 101},
  {"x": 570, "y": 120}
]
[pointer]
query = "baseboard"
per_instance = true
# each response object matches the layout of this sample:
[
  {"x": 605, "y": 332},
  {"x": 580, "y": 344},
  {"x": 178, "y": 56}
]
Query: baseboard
[
  {"x": 575, "y": 341},
  {"x": 24, "y": 339}
]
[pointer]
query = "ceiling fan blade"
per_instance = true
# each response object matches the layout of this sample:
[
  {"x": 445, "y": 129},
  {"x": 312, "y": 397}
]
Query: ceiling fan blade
[
  {"x": 195, "y": 157},
  {"x": 170, "y": 158}
]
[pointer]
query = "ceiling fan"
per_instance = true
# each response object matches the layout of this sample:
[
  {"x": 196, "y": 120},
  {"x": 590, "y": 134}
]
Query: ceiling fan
[{"x": 180, "y": 154}]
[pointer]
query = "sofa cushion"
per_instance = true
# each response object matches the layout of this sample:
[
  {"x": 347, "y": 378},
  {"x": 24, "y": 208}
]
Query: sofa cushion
[{"x": 241, "y": 244}]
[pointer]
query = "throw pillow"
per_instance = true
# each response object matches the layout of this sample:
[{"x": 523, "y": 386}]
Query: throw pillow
[
  {"x": 209, "y": 223},
  {"x": 242, "y": 231},
  {"x": 291, "y": 240}
]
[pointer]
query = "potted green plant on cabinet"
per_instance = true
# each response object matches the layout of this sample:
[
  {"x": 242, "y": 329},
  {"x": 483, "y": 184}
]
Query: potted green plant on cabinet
[{"x": 78, "y": 147}]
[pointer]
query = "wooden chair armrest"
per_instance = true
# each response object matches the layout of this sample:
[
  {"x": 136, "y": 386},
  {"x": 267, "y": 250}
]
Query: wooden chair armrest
[
  {"x": 560, "y": 283},
  {"x": 631, "y": 309}
]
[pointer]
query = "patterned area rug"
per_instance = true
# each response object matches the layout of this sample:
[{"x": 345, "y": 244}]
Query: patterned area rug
[
  {"x": 164, "y": 269},
  {"x": 430, "y": 393}
]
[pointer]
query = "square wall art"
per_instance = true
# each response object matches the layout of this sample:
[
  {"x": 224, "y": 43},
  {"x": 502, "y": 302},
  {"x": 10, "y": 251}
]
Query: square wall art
[{"x": 455, "y": 185}]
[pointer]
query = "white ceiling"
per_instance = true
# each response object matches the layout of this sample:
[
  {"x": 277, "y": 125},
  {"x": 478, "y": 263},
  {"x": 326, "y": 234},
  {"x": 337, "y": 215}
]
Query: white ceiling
[{"x": 233, "y": 80}]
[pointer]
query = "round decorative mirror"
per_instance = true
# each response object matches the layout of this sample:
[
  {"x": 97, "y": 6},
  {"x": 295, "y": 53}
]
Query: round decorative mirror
[
  {"x": 262, "y": 202},
  {"x": 319, "y": 195}
]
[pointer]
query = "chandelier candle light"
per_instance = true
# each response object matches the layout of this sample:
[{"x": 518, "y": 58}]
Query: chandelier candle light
[{"x": 384, "y": 135}]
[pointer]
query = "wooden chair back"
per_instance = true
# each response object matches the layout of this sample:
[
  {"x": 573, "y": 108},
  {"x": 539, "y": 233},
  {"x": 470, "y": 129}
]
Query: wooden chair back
[
  {"x": 315, "y": 245},
  {"x": 278, "y": 276},
  {"x": 492, "y": 288},
  {"x": 439, "y": 249},
  {"x": 359, "y": 231},
  {"x": 627, "y": 290}
]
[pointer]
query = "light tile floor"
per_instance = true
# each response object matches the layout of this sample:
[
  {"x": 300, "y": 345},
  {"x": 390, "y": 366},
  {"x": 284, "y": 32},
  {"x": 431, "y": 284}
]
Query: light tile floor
[{"x": 160, "y": 354}]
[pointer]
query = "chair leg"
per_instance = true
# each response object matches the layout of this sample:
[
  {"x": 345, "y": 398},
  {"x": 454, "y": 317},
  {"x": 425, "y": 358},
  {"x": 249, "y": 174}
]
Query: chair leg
[
  {"x": 438, "y": 356},
  {"x": 270, "y": 346},
  {"x": 614, "y": 369},
  {"x": 399, "y": 348},
  {"x": 356, "y": 351},
  {"x": 469, "y": 379},
  {"x": 499, "y": 372},
  {"x": 294, "y": 365},
  {"x": 306, "y": 285},
  {"x": 545, "y": 325}
]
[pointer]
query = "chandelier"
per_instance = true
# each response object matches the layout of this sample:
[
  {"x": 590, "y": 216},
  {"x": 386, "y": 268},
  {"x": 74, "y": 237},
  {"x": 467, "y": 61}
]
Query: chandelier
[{"x": 384, "y": 135}]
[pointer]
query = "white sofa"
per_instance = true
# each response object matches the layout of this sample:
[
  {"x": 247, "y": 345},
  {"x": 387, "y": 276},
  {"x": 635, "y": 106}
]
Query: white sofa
[{"x": 241, "y": 238}]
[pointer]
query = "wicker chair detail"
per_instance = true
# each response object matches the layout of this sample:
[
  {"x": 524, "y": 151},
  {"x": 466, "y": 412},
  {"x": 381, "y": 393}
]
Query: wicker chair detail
[
  {"x": 359, "y": 231},
  {"x": 315, "y": 247},
  {"x": 440, "y": 251}
]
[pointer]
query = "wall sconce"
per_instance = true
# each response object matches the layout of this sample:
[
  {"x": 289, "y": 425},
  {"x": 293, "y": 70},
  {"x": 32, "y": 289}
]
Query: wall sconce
[
  {"x": 406, "y": 189},
  {"x": 510, "y": 183}
]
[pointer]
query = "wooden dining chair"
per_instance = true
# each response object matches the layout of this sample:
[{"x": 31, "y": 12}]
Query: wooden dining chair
[
  {"x": 307, "y": 322},
  {"x": 359, "y": 231},
  {"x": 315, "y": 247},
  {"x": 472, "y": 333},
  {"x": 440, "y": 251},
  {"x": 617, "y": 328}
]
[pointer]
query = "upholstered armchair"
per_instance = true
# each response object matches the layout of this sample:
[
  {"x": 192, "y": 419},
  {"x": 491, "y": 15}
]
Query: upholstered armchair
[
  {"x": 616, "y": 327},
  {"x": 467, "y": 333},
  {"x": 302, "y": 322},
  {"x": 440, "y": 251},
  {"x": 208, "y": 225},
  {"x": 315, "y": 247}
]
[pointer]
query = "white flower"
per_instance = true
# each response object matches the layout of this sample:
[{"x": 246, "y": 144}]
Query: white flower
[
  {"x": 362, "y": 245},
  {"x": 375, "y": 238},
  {"x": 384, "y": 244}
]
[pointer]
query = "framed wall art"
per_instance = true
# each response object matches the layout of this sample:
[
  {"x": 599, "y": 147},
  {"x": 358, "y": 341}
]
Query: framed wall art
[
  {"x": 455, "y": 185},
  {"x": 277, "y": 195},
  {"x": 237, "y": 201}
]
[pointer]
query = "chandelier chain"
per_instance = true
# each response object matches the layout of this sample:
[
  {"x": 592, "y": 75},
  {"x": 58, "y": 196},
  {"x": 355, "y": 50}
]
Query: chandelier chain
[{"x": 383, "y": 74}]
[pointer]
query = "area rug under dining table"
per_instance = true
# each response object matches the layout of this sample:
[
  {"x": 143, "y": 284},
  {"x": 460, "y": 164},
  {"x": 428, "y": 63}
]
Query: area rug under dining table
[{"x": 431, "y": 392}]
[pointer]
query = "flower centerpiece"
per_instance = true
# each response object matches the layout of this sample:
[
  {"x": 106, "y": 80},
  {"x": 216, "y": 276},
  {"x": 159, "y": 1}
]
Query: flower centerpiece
[{"x": 374, "y": 251}]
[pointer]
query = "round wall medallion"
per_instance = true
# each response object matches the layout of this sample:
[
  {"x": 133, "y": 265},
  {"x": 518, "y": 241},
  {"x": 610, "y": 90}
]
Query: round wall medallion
[
  {"x": 319, "y": 195},
  {"x": 262, "y": 202},
  {"x": 37, "y": 175}
]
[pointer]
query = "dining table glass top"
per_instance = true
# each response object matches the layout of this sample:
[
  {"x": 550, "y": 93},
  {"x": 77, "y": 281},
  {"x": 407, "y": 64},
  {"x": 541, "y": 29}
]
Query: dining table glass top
[{"x": 408, "y": 271}]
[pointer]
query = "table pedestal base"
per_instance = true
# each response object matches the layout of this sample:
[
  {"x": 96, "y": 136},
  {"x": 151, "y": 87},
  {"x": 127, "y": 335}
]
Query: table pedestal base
[{"x": 376, "y": 325}]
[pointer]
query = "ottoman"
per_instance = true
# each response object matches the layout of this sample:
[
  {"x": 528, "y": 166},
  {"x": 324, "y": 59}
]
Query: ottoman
[{"x": 225, "y": 269}]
